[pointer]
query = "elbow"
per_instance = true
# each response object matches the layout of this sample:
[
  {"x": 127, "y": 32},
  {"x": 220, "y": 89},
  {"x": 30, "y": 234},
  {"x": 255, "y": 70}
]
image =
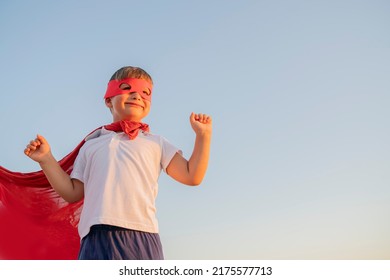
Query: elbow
[
  {"x": 71, "y": 199},
  {"x": 194, "y": 182}
]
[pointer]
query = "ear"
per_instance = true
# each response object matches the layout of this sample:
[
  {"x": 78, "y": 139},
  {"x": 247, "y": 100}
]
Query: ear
[{"x": 108, "y": 102}]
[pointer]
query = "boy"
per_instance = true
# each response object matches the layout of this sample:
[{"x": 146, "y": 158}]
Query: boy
[{"x": 117, "y": 173}]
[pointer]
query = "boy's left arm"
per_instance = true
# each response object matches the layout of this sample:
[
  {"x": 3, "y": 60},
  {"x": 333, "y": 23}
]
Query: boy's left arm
[{"x": 192, "y": 171}]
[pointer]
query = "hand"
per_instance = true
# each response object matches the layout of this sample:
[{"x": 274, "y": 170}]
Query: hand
[
  {"x": 38, "y": 149},
  {"x": 201, "y": 123}
]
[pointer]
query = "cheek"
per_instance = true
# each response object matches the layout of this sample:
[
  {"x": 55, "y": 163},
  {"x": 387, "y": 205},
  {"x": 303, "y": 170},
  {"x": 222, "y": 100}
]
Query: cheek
[
  {"x": 147, "y": 105},
  {"x": 146, "y": 97},
  {"x": 118, "y": 100}
]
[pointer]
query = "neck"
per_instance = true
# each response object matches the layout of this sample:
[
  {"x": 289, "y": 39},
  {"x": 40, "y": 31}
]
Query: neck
[
  {"x": 131, "y": 128},
  {"x": 129, "y": 119}
]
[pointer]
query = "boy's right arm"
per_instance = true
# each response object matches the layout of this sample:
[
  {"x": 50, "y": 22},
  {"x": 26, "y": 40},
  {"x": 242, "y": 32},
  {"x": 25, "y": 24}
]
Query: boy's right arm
[{"x": 71, "y": 190}]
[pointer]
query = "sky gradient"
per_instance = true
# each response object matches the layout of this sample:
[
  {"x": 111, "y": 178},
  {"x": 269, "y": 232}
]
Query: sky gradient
[{"x": 299, "y": 92}]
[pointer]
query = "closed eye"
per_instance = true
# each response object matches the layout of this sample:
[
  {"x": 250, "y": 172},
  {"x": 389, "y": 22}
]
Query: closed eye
[{"x": 125, "y": 87}]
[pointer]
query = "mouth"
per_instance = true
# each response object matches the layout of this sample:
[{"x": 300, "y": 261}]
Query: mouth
[{"x": 132, "y": 104}]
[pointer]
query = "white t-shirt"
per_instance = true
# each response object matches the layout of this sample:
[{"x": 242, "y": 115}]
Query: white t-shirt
[{"x": 120, "y": 179}]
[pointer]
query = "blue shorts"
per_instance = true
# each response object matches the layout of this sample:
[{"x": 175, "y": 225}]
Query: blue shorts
[{"x": 105, "y": 242}]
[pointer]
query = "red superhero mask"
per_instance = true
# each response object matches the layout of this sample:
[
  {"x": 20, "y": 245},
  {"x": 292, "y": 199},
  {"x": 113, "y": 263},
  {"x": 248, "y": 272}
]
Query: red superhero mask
[{"x": 141, "y": 86}]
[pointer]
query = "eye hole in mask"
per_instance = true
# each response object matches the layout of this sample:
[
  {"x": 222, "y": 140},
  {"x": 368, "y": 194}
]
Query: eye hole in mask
[{"x": 125, "y": 86}]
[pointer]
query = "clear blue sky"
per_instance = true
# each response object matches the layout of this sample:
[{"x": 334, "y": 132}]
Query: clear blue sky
[{"x": 299, "y": 92}]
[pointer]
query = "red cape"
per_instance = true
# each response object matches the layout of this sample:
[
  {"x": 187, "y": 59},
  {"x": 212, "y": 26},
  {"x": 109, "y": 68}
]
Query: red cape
[{"x": 35, "y": 222}]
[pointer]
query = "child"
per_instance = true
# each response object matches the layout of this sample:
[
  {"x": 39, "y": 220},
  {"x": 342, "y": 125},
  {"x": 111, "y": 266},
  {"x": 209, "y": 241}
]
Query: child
[{"x": 117, "y": 169}]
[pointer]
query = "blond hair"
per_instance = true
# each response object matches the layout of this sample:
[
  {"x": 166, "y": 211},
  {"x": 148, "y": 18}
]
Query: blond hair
[{"x": 131, "y": 72}]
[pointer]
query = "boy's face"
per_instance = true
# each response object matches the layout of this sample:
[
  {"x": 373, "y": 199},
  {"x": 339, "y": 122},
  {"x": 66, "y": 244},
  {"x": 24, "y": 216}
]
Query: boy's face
[{"x": 132, "y": 106}]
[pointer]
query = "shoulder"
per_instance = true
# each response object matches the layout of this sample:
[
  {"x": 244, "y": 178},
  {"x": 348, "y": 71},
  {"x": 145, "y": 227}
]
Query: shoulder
[
  {"x": 163, "y": 142},
  {"x": 95, "y": 139},
  {"x": 152, "y": 137}
]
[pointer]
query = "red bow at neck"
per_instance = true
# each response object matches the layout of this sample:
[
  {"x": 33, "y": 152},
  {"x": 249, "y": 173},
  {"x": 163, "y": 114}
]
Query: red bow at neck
[{"x": 131, "y": 128}]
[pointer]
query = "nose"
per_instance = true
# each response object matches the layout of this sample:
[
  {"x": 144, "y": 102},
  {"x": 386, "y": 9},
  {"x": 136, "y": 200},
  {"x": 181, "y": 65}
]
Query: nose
[{"x": 135, "y": 95}]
